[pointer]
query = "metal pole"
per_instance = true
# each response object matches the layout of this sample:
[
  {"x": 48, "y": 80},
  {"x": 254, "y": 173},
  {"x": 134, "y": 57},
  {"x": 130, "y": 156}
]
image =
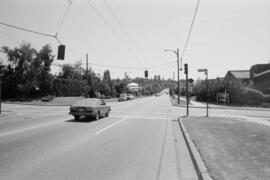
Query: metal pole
[
  {"x": 207, "y": 93},
  {"x": 178, "y": 83},
  {"x": 87, "y": 68},
  {"x": 0, "y": 95},
  {"x": 187, "y": 97}
]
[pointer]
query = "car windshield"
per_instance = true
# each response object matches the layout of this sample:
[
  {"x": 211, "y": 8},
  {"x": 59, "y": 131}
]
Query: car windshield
[{"x": 88, "y": 102}]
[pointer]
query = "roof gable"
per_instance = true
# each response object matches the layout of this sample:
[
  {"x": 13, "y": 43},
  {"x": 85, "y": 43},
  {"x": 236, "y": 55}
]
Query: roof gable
[{"x": 241, "y": 74}]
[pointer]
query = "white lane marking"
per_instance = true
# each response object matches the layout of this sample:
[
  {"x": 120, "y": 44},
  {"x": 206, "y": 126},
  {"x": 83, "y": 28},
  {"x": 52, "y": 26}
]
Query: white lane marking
[
  {"x": 110, "y": 126},
  {"x": 30, "y": 128},
  {"x": 142, "y": 117}
]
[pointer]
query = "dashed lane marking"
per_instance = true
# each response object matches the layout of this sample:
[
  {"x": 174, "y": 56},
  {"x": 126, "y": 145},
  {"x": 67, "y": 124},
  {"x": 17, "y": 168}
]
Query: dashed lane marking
[{"x": 110, "y": 126}]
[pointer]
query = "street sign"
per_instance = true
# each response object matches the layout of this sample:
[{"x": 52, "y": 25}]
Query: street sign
[{"x": 202, "y": 70}]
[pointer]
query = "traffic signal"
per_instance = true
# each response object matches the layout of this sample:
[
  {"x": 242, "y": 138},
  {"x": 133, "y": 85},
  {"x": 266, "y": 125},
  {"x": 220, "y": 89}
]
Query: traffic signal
[
  {"x": 146, "y": 73},
  {"x": 186, "y": 68},
  {"x": 61, "y": 52}
]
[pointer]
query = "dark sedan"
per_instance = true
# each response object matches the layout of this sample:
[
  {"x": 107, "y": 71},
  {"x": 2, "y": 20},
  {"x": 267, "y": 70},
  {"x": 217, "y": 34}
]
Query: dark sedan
[{"x": 89, "y": 107}]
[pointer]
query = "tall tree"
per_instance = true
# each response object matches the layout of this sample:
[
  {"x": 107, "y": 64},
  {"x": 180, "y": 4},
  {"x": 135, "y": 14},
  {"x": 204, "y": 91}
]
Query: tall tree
[
  {"x": 45, "y": 58},
  {"x": 110, "y": 90}
]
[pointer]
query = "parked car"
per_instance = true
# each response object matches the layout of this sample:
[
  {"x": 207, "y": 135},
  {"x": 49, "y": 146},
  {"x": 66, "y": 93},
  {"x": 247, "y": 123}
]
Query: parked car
[
  {"x": 89, "y": 107},
  {"x": 47, "y": 98},
  {"x": 123, "y": 97},
  {"x": 130, "y": 97}
]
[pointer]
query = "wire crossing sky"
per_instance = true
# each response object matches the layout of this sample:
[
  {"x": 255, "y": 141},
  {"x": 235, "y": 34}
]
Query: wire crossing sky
[{"x": 226, "y": 35}]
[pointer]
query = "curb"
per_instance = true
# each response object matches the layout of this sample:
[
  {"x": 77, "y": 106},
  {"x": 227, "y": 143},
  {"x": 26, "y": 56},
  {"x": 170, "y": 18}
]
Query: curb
[{"x": 198, "y": 163}]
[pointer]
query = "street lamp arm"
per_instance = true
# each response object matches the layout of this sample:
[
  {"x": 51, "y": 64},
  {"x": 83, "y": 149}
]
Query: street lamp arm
[{"x": 168, "y": 50}]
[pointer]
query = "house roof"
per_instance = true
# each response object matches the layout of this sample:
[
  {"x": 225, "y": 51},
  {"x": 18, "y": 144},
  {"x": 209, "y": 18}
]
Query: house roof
[
  {"x": 241, "y": 74},
  {"x": 261, "y": 73}
]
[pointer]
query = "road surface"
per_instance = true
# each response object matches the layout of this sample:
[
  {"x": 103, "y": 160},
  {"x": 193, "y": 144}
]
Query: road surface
[
  {"x": 140, "y": 140},
  {"x": 137, "y": 141}
]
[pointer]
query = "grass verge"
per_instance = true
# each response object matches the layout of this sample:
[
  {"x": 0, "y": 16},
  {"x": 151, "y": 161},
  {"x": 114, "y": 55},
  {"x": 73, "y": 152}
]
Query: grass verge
[{"x": 231, "y": 149}]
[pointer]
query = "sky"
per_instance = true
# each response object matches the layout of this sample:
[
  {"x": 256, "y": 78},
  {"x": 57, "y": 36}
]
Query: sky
[{"x": 227, "y": 34}]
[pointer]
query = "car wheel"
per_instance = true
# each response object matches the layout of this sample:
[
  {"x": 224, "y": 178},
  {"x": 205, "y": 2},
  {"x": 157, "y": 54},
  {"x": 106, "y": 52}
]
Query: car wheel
[
  {"x": 76, "y": 117},
  {"x": 97, "y": 116},
  {"x": 107, "y": 114}
]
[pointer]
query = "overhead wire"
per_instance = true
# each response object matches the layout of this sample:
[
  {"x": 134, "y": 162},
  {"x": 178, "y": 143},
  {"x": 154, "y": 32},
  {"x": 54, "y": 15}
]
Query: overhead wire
[
  {"x": 64, "y": 17},
  {"x": 130, "y": 68},
  {"x": 190, "y": 29},
  {"x": 27, "y": 30},
  {"x": 41, "y": 33},
  {"x": 31, "y": 31},
  {"x": 118, "y": 21},
  {"x": 112, "y": 29}
]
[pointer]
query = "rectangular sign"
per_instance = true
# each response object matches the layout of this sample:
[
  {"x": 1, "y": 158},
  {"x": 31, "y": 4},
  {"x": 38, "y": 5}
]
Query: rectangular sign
[{"x": 202, "y": 70}]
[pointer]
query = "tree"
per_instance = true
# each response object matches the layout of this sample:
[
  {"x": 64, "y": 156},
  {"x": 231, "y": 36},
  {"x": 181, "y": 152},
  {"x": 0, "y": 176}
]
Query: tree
[
  {"x": 45, "y": 59},
  {"x": 110, "y": 90},
  {"x": 67, "y": 71},
  {"x": 21, "y": 78},
  {"x": 28, "y": 71}
]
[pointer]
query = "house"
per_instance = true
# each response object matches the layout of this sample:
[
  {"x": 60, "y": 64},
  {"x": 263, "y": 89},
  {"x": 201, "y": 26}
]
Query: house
[
  {"x": 241, "y": 75},
  {"x": 260, "y": 75}
]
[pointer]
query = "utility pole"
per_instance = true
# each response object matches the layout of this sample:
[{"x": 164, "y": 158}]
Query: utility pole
[
  {"x": 207, "y": 93},
  {"x": 86, "y": 68},
  {"x": 178, "y": 77},
  {"x": 0, "y": 94},
  {"x": 178, "y": 69},
  {"x": 187, "y": 96}
]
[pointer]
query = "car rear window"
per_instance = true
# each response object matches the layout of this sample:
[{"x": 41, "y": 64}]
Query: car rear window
[{"x": 86, "y": 102}]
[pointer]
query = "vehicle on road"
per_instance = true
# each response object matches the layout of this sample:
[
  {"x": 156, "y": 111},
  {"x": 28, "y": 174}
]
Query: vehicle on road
[
  {"x": 90, "y": 108},
  {"x": 123, "y": 97},
  {"x": 130, "y": 97},
  {"x": 47, "y": 98}
]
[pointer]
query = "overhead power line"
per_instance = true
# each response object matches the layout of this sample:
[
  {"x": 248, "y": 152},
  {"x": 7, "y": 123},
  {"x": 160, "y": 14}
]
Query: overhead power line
[
  {"x": 32, "y": 31},
  {"x": 118, "y": 21},
  {"x": 27, "y": 30},
  {"x": 41, "y": 33},
  {"x": 162, "y": 65},
  {"x": 64, "y": 17},
  {"x": 190, "y": 30},
  {"x": 125, "y": 67},
  {"x": 112, "y": 29}
]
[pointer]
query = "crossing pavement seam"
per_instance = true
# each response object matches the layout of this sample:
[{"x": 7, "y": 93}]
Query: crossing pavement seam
[{"x": 198, "y": 163}]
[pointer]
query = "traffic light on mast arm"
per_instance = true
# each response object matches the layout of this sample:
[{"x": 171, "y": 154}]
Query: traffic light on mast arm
[
  {"x": 186, "y": 68},
  {"x": 61, "y": 52}
]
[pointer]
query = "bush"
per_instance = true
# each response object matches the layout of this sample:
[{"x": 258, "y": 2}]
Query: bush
[
  {"x": 67, "y": 87},
  {"x": 249, "y": 97}
]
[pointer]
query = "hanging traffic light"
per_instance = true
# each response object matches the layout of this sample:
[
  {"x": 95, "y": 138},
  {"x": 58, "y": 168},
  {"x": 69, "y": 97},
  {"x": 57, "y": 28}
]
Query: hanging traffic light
[
  {"x": 61, "y": 52},
  {"x": 186, "y": 68},
  {"x": 146, "y": 74}
]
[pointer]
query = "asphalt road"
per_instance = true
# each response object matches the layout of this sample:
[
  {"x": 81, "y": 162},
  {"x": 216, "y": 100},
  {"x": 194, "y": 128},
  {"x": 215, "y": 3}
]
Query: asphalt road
[
  {"x": 140, "y": 140},
  {"x": 135, "y": 142}
]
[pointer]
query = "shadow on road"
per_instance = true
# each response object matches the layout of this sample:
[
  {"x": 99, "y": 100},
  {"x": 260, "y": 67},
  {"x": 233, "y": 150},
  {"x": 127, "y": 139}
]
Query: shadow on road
[{"x": 81, "y": 120}]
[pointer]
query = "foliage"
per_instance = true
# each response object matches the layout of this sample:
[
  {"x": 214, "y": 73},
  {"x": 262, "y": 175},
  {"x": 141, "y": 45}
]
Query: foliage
[
  {"x": 238, "y": 94},
  {"x": 27, "y": 72},
  {"x": 67, "y": 87}
]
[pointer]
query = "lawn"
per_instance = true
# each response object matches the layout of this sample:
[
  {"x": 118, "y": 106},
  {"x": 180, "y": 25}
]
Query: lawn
[
  {"x": 232, "y": 149},
  {"x": 174, "y": 101}
]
